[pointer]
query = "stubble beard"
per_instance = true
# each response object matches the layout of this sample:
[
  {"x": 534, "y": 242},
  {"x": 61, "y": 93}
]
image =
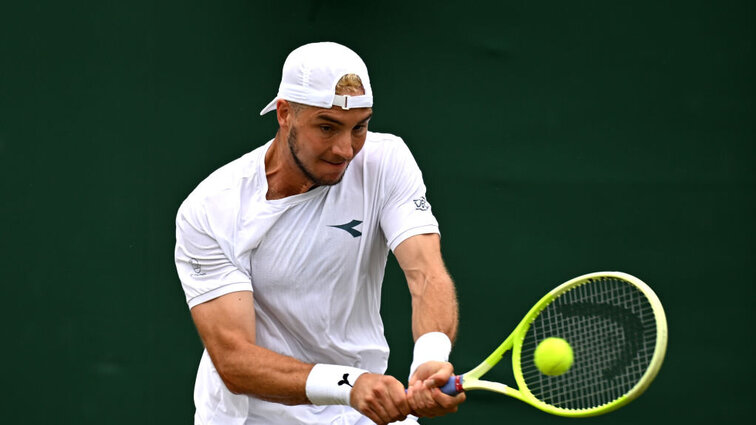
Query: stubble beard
[{"x": 294, "y": 148}]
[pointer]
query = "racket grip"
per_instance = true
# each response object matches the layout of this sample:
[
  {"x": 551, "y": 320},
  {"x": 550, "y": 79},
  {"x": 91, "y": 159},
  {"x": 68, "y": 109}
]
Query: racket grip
[{"x": 453, "y": 386}]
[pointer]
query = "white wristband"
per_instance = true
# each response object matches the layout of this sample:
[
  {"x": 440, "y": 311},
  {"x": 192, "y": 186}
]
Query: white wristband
[
  {"x": 433, "y": 346},
  {"x": 331, "y": 384}
]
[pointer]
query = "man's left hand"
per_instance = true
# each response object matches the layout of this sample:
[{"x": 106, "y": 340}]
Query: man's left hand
[{"x": 425, "y": 397}]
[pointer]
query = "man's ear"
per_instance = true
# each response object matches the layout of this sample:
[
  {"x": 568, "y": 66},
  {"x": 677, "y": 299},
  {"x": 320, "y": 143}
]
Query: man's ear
[{"x": 284, "y": 113}]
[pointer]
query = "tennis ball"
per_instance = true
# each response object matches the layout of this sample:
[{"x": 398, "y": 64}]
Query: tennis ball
[{"x": 553, "y": 356}]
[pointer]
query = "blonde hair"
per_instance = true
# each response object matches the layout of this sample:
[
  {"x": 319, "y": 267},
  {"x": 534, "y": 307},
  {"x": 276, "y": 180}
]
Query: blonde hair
[{"x": 350, "y": 84}]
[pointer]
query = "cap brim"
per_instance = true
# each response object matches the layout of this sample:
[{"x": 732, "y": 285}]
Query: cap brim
[{"x": 269, "y": 107}]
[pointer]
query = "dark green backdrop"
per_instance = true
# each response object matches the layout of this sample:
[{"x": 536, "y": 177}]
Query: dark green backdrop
[{"x": 556, "y": 138}]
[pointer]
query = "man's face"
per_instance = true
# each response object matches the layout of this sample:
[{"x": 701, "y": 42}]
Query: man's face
[{"x": 324, "y": 141}]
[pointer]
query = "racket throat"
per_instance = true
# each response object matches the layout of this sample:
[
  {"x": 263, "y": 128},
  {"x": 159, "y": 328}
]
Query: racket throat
[
  {"x": 491, "y": 360},
  {"x": 478, "y": 384}
]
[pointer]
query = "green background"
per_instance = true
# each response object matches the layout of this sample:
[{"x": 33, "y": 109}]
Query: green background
[{"x": 556, "y": 138}]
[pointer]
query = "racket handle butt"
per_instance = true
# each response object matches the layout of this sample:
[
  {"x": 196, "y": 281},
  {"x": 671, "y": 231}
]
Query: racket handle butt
[{"x": 453, "y": 386}]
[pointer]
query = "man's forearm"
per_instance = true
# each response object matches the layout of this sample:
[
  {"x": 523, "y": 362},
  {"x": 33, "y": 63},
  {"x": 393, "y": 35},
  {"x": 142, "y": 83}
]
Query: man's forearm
[
  {"x": 274, "y": 377},
  {"x": 227, "y": 328},
  {"x": 253, "y": 370},
  {"x": 434, "y": 299},
  {"x": 434, "y": 304}
]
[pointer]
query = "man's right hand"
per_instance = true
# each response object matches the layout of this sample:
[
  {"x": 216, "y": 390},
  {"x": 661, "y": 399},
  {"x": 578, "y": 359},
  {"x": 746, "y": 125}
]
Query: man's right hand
[{"x": 380, "y": 397}]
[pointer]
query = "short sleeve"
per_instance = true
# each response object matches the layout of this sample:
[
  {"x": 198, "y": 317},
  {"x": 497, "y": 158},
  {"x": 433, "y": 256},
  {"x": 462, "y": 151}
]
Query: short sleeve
[
  {"x": 406, "y": 211},
  {"x": 205, "y": 270}
]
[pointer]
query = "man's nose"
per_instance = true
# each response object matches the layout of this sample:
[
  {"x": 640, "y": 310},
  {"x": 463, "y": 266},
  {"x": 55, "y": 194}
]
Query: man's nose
[{"x": 343, "y": 146}]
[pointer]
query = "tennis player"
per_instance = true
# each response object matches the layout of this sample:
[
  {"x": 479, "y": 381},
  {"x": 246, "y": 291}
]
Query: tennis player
[{"x": 281, "y": 255}]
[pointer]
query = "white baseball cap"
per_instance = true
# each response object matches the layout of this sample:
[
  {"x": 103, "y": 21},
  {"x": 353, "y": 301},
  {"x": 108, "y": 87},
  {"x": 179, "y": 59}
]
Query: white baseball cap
[{"x": 310, "y": 74}]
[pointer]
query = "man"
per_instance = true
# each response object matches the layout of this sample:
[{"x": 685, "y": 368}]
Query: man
[{"x": 281, "y": 254}]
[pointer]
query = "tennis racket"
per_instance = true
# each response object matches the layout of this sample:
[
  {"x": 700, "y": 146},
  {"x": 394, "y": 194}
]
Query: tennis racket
[{"x": 617, "y": 329}]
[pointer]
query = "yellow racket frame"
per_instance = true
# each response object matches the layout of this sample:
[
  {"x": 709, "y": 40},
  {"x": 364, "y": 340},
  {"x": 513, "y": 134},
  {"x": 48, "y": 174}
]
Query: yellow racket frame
[{"x": 471, "y": 380}]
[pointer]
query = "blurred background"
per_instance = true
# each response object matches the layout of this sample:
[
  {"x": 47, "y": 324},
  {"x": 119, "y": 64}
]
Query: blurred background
[{"x": 556, "y": 138}]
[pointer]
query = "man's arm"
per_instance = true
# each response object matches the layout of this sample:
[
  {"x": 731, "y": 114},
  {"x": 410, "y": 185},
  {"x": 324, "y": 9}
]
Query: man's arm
[
  {"x": 227, "y": 328},
  {"x": 434, "y": 300},
  {"x": 434, "y": 309}
]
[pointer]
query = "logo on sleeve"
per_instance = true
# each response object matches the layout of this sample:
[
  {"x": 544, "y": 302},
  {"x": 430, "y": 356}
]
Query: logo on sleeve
[
  {"x": 349, "y": 227},
  {"x": 421, "y": 204},
  {"x": 196, "y": 267}
]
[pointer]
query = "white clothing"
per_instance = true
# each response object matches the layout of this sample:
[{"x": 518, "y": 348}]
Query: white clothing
[{"x": 315, "y": 262}]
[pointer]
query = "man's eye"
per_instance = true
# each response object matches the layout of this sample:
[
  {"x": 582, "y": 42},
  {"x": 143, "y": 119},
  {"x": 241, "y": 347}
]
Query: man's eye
[{"x": 326, "y": 128}]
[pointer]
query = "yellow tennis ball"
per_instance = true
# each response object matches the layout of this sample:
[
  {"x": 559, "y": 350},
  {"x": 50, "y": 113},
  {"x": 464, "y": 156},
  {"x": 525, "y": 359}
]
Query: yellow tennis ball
[{"x": 553, "y": 356}]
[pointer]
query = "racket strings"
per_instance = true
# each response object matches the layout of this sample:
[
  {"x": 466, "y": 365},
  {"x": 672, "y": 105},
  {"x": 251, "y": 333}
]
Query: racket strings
[{"x": 611, "y": 327}]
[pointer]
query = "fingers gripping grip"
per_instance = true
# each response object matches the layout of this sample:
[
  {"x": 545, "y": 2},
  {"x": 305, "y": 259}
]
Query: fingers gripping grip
[{"x": 453, "y": 386}]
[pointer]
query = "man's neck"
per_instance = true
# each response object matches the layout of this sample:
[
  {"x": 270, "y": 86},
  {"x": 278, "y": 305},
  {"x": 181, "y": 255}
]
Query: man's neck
[{"x": 284, "y": 177}]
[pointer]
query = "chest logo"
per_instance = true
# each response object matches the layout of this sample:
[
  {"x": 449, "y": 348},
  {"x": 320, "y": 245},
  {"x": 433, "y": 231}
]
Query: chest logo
[{"x": 349, "y": 227}]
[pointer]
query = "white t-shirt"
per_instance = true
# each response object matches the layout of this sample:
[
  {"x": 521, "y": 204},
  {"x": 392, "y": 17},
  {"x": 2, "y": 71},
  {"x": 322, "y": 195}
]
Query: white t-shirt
[{"x": 315, "y": 262}]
